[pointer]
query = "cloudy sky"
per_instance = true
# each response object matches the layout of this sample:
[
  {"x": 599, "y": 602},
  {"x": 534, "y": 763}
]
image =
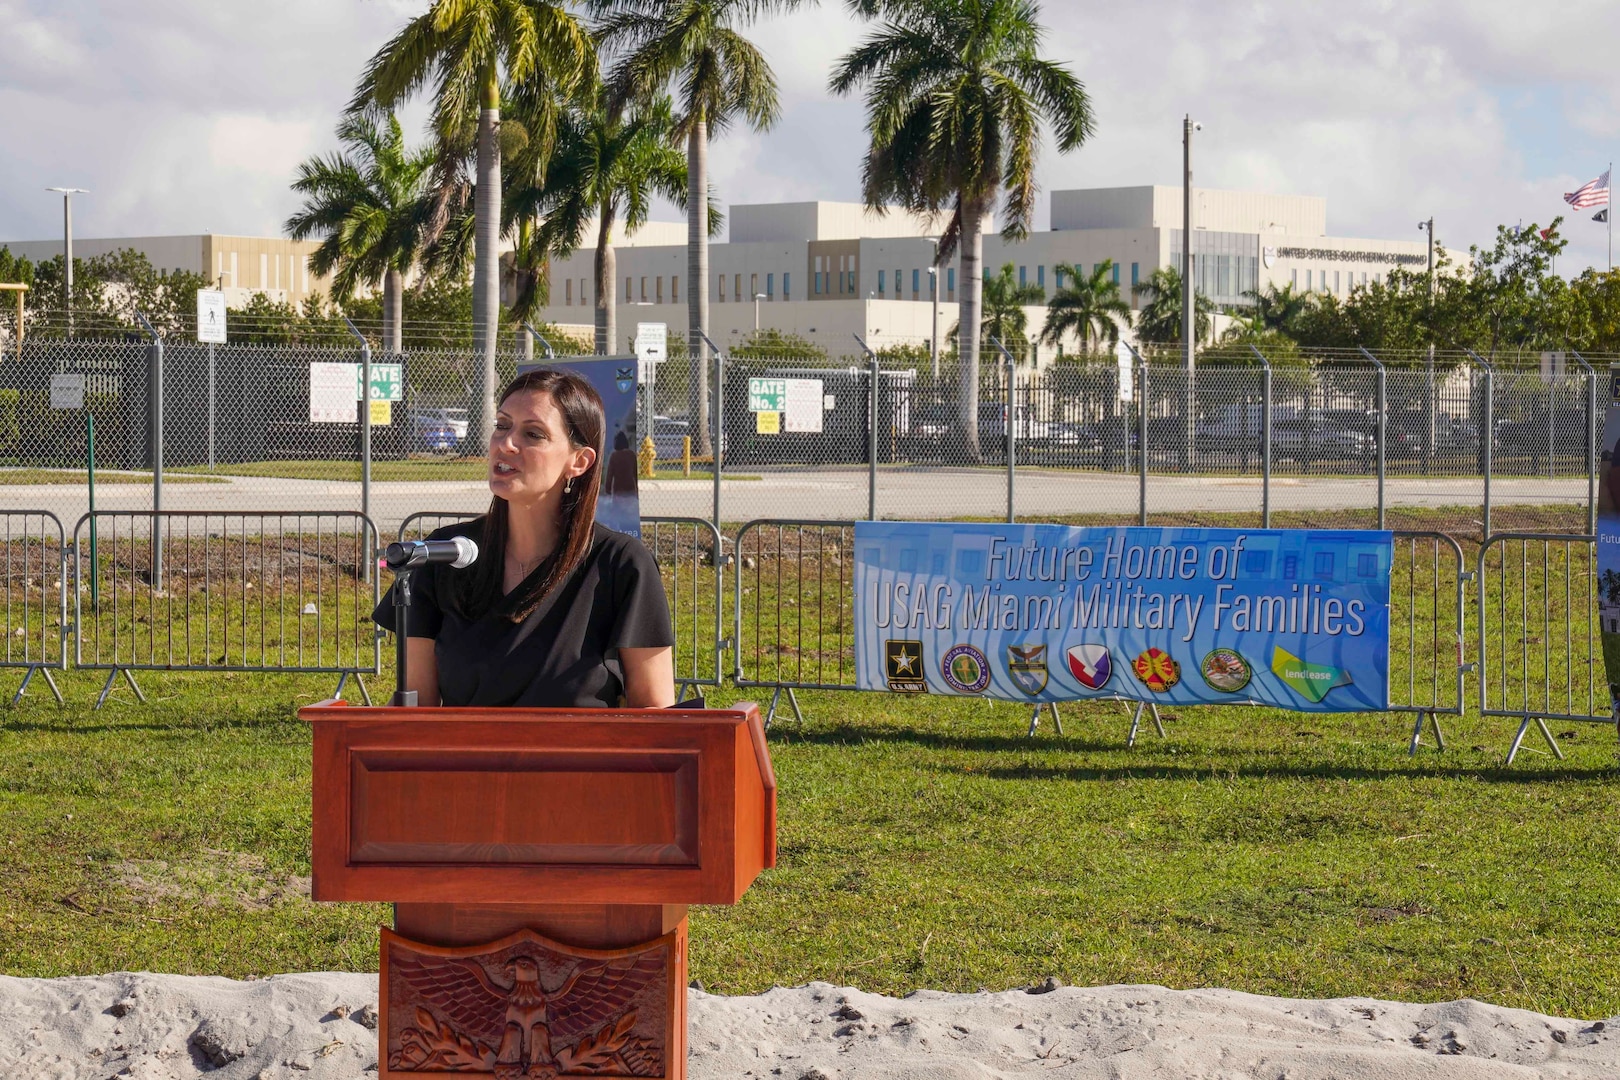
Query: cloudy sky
[{"x": 186, "y": 116}]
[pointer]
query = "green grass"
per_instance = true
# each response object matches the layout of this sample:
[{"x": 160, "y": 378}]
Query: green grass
[
  {"x": 924, "y": 842},
  {"x": 446, "y": 468},
  {"x": 32, "y": 477}
]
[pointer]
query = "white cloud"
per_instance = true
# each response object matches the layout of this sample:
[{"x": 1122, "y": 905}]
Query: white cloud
[{"x": 188, "y": 115}]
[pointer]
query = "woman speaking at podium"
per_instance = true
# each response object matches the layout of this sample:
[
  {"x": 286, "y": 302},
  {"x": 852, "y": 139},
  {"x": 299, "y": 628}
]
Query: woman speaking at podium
[{"x": 557, "y": 611}]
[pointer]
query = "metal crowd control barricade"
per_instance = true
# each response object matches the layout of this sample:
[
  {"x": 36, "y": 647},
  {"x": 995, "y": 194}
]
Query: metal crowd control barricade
[
  {"x": 245, "y": 591},
  {"x": 1427, "y": 663},
  {"x": 36, "y": 590},
  {"x": 692, "y": 564},
  {"x": 795, "y": 608},
  {"x": 1540, "y": 638}
]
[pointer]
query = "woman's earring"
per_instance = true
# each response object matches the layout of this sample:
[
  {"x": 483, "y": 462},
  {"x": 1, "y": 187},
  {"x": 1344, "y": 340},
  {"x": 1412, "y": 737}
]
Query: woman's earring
[{"x": 568, "y": 486}]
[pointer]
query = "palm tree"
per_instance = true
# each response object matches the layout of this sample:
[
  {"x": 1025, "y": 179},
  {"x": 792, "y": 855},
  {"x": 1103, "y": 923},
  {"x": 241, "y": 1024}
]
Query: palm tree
[
  {"x": 1003, "y": 316},
  {"x": 1091, "y": 307},
  {"x": 369, "y": 202},
  {"x": 1280, "y": 309},
  {"x": 466, "y": 48},
  {"x": 719, "y": 75},
  {"x": 606, "y": 166},
  {"x": 956, "y": 97},
  {"x": 1160, "y": 318}
]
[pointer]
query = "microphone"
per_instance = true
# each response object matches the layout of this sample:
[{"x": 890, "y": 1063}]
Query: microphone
[{"x": 459, "y": 552}]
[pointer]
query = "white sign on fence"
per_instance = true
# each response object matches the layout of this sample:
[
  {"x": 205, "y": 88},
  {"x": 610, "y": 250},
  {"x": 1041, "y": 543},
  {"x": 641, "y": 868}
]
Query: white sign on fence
[
  {"x": 1127, "y": 370},
  {"x": 332, "y": 393},
  {"x": 804, "y": 406},
  {"x": 211, "y": 316},
  {"x": 67, "y": 391}
]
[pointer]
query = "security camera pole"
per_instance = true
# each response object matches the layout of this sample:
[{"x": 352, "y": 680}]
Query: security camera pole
[{"x": 67, "y": 250}]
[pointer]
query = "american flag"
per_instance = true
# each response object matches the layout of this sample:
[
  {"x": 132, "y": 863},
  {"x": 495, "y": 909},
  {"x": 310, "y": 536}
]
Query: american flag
[{"x": 1590, "y": 194}]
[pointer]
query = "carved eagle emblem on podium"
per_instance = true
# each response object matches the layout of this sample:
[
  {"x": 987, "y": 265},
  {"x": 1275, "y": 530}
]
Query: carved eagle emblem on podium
[{"x": 531, "y": 1010}]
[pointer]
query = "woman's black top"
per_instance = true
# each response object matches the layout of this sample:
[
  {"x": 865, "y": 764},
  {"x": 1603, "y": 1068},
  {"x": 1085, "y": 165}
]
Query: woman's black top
[{"x": 565, "y": 653}]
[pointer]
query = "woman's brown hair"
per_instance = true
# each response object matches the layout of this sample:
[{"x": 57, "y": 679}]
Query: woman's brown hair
[{"x": 479, "y": 589}]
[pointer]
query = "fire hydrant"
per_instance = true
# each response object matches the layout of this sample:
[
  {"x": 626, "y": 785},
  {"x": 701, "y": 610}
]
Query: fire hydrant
[{"x": 646, "y": 457}]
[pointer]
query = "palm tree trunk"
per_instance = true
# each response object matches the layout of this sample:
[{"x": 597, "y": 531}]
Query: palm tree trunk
[
  {"x": 487, "y": 259},
  {"x": 393, "y": 311},
  {"x": 697, "y": 280},
  {"x": 968, "y": 320},
  {"x": 606, "y": 296}
]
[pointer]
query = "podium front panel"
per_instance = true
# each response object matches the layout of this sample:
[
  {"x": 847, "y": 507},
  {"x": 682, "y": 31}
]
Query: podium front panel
[{"x": 540, "y": 805}]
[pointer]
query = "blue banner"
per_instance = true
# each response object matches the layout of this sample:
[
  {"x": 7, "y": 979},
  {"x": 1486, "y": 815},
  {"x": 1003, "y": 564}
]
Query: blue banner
[
  {"x": 618, "y": 500},
  {"x": 1297, "y": 619}
]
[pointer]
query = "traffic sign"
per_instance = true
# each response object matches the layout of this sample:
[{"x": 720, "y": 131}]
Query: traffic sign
[
  {"x": 211, "y": 316},
  {"x": 387, "y": 382},
  {"x": 767, "y": 395},
  {"x": 652, "y": 346},
  {"x": 67, "y": 391}
]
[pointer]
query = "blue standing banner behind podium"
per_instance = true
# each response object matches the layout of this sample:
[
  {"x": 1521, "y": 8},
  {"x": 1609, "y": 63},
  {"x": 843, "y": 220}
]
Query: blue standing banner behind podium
[{"x": 1292, "y": 618}]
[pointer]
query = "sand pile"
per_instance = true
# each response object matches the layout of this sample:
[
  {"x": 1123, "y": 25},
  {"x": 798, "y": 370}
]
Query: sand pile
[{"x": 322, "y": 1027}]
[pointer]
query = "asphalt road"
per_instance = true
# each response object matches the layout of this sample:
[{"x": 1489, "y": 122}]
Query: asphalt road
[{"x": 827, "y": 494}]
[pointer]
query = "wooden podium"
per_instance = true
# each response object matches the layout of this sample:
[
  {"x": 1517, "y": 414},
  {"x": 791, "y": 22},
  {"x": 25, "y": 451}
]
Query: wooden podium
[{"x": 540, "y": 862}]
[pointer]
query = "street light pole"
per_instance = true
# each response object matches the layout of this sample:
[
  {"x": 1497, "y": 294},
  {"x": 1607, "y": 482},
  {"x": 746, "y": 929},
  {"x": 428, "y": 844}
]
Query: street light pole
[
  {"x": 1189, "y": 304},
  {"x": 757, "y": 298},
  {"x": 67, "y": 250},
  {"x": 1428, "y": 448}
]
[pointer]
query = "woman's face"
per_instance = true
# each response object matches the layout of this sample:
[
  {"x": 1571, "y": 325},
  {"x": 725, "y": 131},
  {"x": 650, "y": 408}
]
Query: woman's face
[{"x": 530, "y": 457}]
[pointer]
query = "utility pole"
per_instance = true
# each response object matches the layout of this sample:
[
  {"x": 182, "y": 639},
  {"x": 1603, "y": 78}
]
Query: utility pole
[
  {"x": 1428, "y": 448},
  {"x": 757, "y": 298},
  {"x": 67, "y": 250},
  {"x": 933, "y": 289}
]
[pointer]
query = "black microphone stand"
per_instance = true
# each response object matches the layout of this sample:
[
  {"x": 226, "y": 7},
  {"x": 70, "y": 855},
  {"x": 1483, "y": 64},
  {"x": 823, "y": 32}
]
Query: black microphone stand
[{"x": 402, "y": 615}]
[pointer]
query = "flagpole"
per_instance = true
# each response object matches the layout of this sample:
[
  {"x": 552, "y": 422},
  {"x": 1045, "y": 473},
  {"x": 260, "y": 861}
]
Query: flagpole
[{"x": 1609, "y": 217}]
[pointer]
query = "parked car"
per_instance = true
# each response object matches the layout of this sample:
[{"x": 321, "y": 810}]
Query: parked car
[
  {"x": 440, "y": 429},
  {"x": 1528, "y": 434}
]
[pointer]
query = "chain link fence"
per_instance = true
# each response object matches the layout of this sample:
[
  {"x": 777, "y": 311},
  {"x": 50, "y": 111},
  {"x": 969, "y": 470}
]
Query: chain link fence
[{"x": 816, "y": 428}]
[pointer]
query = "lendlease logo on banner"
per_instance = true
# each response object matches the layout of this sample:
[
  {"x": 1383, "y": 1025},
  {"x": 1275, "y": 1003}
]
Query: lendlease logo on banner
[{"x": 1183, "y": 610}]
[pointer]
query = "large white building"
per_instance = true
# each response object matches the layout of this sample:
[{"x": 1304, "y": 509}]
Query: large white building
[
  {"x": 241, "y": 265},
  {"x": 828, "y": 270}
]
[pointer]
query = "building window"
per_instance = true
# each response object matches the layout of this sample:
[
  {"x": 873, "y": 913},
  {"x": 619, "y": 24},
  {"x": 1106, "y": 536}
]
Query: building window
[
  {"x": 950, "y": 282},
  {"x": 770, "y": 286},
  {"x": 916, "y": 283},
  {"x": 753, "y": 286},
  {"x": 880, "y": 282},
  {"x": 786, "y": 284},
  {"x": 736, "y": 286},
  {"x": 1307, "y": 281},
  {"x": 584, "y": 295},
  {"x": 722, "y": 288},
  {"x": 1136, "y": 274},
  {"x": 1364, "y": 279},
  {"x": 674, "y": 288},
  {"x": 1040, "y": 276},
  {"x": 1293, "y": 278},
  {"x": 1057, "y": 273},
  {"x": 264, "y": 271},
  {"x": 629, "y": 286},
  {"x": 568, "y": 293},
  {"x": 643, "y": 290},
  {"x": 815, "y": 282},
  {"x": 1335, "y": 281},
  {"x": 1116, "y": 273},
  {"x": 1020, "y": 275}
]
